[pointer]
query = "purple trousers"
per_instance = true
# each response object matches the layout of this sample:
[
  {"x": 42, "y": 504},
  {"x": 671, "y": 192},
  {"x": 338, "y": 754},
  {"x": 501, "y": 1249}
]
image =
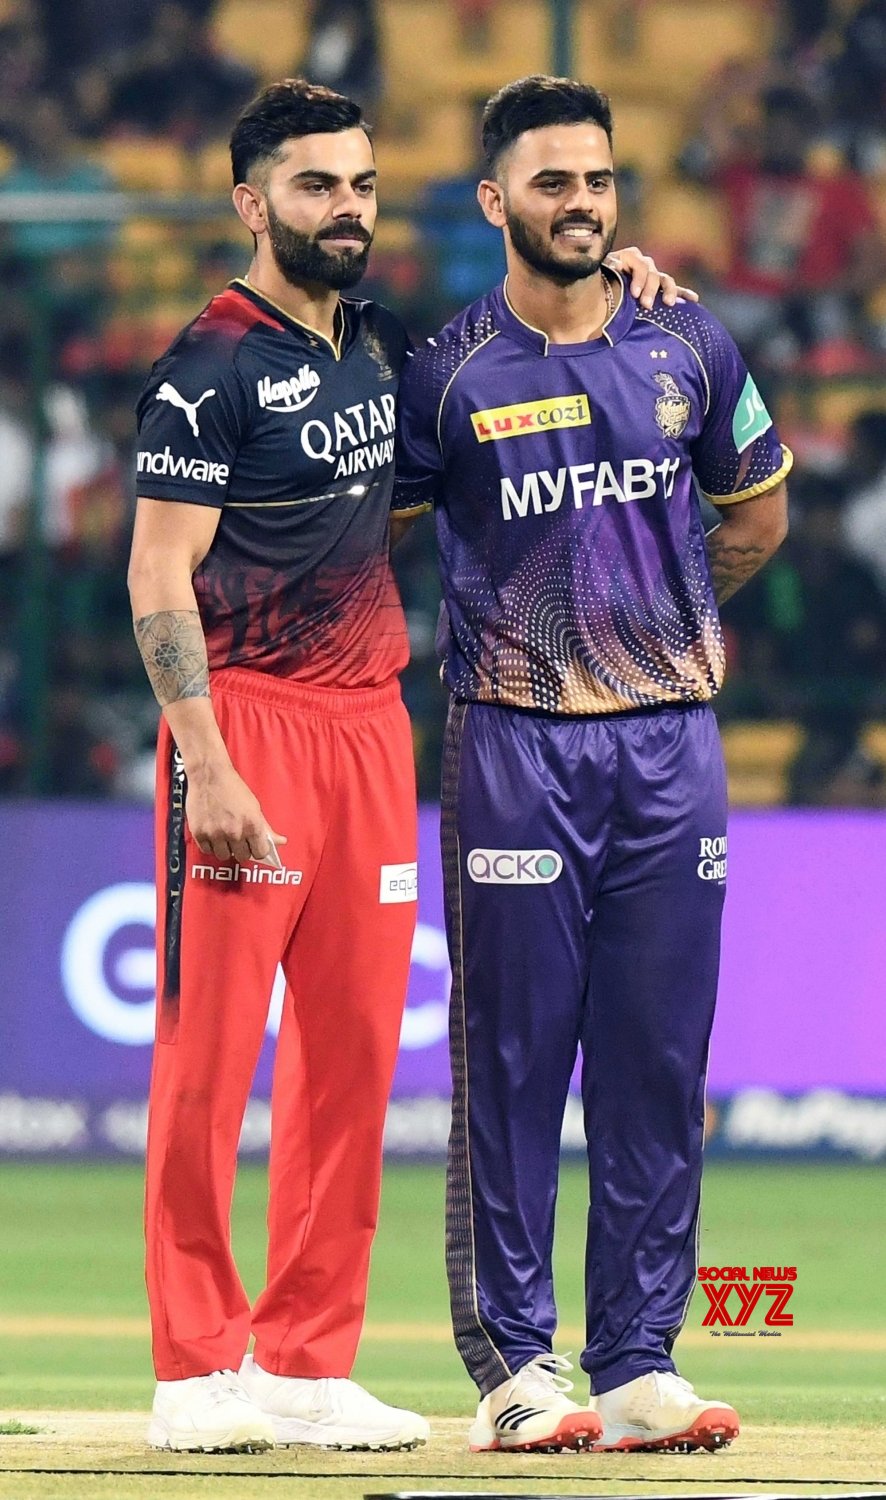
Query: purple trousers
[{"x": 584, "y": 864}]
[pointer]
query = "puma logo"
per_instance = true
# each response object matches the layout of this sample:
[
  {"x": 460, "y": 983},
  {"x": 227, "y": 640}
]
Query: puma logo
[{"x": 169, "y": 393}]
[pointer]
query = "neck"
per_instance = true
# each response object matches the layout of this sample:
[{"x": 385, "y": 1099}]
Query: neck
[
  {"x": 566, "y": 314},
  {"x": 310, "y": 302}
]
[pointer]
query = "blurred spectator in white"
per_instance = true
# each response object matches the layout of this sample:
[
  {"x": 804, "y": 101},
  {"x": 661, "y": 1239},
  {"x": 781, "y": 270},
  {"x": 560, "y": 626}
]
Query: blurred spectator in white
[
  {"x": 805, "y": 245},
  {"x": 864, "y": 512},
  {"x": 179, "y": 83},
  {"x": 84, "y": 502},
  {"x": 343, "y": 49}
]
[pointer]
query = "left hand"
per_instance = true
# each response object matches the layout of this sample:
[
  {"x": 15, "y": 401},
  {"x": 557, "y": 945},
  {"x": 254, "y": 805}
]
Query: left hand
[{"x": 646, "y": 279}]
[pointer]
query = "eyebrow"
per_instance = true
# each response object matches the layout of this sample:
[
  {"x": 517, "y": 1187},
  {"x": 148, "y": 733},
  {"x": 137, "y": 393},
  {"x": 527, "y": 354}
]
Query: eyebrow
[
  {"x": 314, "y": 174},
  {"x": 547, "y": 173}
]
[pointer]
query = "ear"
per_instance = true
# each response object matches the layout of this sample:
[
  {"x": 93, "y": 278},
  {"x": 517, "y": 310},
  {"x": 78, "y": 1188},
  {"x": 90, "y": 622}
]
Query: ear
[
  {"x": 491, "y": 199},
  {"x": 250, "y": 206}
]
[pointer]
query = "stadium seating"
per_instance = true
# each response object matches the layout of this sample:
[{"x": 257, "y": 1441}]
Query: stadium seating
[{"x": 268, "y": 34}]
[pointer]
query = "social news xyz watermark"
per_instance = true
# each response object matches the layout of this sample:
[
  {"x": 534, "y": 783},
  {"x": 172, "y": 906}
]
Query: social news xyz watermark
[{"x": 741, "y": 1296}]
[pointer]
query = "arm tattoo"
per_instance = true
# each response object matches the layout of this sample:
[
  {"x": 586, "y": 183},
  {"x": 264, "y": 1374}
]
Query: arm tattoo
[
  {"x": 732, "y": 563},
  {"x": 173, "y": 650}
]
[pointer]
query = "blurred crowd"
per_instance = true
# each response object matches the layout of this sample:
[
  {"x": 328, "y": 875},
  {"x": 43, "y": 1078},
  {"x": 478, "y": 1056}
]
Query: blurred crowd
[{"x": 791, "y": 146}]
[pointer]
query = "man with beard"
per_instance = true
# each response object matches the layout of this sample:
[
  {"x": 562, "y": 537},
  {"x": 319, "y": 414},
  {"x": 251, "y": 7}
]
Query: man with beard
[
  {"x": 558, "y": 429},
  {"x": 271, "y": 629},
  {"x": 272, "y": 632}
]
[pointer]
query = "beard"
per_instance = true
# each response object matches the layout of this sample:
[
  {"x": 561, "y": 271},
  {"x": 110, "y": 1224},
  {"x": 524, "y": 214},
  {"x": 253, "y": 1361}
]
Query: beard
[
  {"x": 539, "y": 253},
  {"x": 301, "y": 258}
]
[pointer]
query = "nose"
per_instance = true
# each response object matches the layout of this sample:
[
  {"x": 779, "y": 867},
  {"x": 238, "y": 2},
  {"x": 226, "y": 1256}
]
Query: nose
[
  {"x": 348, "y": 204},
  {"x": 580, "y": 200}
]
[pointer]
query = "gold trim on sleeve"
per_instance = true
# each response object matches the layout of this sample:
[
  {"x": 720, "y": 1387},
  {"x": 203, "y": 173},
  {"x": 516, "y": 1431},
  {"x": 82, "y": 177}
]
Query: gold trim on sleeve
[{"x": 757, "y": 489}]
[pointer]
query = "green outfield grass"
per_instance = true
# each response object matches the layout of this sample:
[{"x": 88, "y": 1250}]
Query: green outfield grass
[{"x": 72, "y": 1306}]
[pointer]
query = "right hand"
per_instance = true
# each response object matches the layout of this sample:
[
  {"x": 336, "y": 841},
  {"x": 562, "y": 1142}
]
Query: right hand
[{"x": 225, "y": 817}]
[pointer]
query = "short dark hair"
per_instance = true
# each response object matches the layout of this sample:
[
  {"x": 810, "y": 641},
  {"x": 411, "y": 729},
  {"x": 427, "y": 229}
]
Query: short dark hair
[
  {"x": 292, "y": 107},
  {"x": 531, "y": 103}
]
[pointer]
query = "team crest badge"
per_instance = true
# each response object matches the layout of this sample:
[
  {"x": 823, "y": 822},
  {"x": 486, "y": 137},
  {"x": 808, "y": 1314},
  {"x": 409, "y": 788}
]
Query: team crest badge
[
  {"x": 672, "y": 407},
  {"x": 374, "y": 348}
]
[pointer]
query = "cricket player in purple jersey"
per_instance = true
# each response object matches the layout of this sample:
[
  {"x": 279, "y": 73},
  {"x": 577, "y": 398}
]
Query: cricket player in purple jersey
[{"x": 562, "y": 433}]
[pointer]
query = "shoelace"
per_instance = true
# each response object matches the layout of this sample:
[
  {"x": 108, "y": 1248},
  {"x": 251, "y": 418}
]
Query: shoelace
[{"x": 542, "y": 1374}]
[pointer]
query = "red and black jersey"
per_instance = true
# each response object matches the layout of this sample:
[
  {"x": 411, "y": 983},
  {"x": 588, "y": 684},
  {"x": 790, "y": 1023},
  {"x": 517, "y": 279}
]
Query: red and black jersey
[{"x": 291, "y": 436}]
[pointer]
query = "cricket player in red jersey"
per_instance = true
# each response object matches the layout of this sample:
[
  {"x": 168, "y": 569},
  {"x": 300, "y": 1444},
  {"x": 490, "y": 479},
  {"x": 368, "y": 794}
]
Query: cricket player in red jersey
[
  {"x": 269, "y": 622},
  {"x": 271, "y": 630}
]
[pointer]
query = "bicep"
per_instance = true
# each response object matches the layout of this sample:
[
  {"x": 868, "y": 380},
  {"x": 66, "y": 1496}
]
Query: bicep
[
  {"x": 763, "y": 517},
  {"x": 169, "y": 541}
]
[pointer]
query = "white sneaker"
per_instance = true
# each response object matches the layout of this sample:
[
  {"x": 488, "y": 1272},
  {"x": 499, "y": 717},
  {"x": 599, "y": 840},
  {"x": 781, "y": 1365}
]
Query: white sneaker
[
  {"x": 330, "y": 1413},
  {"x": 661, "y": 1410},
  {"x": 530, "y": 1411},
  {"x": 208, "y": 1414}
]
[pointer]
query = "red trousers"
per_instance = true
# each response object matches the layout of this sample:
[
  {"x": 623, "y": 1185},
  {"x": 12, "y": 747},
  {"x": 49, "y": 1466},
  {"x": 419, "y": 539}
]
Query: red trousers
[{"x": 334, "y": 772}]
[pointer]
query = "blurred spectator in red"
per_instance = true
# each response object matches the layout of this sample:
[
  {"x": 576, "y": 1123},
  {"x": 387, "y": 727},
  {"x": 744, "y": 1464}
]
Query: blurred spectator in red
[
  {"x": 473, "y": 21},
  {"x": 178, "y": 83},
  {"x": 864, "y": 513},
  {"x": 805, "y": 246},
  {"x": 343, "y": 49}
]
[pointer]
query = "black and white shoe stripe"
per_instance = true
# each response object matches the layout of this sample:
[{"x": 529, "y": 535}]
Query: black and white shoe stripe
[{"x": 513, "y": 1417}]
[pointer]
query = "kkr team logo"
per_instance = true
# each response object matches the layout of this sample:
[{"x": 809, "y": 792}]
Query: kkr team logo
[
  {"x": 514, "y": 866},
  {"x": 735, "y": 1296},
  {"x": 528, "y": 417},
  {"x": 672, "y": 408}
]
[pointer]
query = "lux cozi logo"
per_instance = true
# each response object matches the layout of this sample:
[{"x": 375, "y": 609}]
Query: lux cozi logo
[
  {"x": 530, "y": 416},
  {"x": 744, "y": 1294}
]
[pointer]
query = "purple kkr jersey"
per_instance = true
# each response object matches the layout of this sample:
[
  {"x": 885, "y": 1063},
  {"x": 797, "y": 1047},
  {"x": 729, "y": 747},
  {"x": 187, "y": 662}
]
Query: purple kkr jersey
[{"x": 572, "y": 553}]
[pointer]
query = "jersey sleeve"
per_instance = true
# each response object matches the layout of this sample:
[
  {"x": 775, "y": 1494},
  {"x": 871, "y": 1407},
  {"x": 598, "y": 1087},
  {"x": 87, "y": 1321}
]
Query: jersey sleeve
[
  {"x": 192, "y": 419},
  {"x": 419, "y": 461},
  {"x": 737, "y": 454}
]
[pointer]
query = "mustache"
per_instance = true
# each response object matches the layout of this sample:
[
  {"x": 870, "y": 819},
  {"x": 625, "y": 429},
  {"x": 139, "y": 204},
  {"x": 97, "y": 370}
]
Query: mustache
[{"x": 347, "y": 229}]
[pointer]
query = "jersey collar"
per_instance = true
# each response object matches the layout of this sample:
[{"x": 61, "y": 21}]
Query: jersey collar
[
  {"x": 613, "y": 330},
  {"x": 311, "y": 335}
]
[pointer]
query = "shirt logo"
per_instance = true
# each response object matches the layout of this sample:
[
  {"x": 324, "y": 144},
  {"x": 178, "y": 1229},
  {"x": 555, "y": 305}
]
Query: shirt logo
[
  {"x": 530, "y": 417},
  {"x": 398, "y": 883},
  {"x": 293, "y": 394},
  {"x": 672, "y": 408},
  {"x": 169, "y": 393},
  {"x": 170, "y": 465},
  {"x": 751, "y": 418}
]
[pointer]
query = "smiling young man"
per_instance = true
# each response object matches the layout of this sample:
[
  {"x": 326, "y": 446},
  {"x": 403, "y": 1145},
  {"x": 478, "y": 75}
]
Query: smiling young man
[{"x": 560, "y": 431}]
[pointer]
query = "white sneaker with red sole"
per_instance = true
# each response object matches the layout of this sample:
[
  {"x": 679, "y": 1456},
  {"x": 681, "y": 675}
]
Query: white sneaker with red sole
[
  {"x": 531, "y": 1413},
  {"x": 662, "y": 1411}
]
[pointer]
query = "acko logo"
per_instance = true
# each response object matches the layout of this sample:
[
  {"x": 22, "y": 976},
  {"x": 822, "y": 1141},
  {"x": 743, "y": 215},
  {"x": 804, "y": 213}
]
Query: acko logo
[
  {"x": 398, "y": 883},
  {"x": 734, "y": 1296},
  {"x": 530, "y": 416},
  {"x": 514, "y": 866},
  {"x": 712, "y": 859}
]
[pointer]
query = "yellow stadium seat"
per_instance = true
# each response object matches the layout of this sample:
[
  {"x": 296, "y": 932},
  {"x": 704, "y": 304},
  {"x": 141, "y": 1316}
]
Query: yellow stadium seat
[
  {"x": 519, "y": 43},
  {"x": 269, "y": 34},
  {"x": 418, "y": 51},
  {"x": 440, "y": 147},
  {"x": 153, "y": 165},
  {"x": 758, "y": 756},
  {"x": 666, "y": 50},
  {"x": 874, "y": 741},
  {"x": 647, "y": 136},
  {"x": 687, "y": 223}
]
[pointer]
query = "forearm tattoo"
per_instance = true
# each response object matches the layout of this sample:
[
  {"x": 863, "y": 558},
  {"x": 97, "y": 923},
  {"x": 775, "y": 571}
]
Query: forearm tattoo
[
  {"x": 173, "y": 650},
  {"x": 732, "y": 562}
]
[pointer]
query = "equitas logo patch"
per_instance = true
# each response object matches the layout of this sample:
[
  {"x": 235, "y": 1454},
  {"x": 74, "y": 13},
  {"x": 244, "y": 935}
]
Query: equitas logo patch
[{"x": 530, "y": 416}]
